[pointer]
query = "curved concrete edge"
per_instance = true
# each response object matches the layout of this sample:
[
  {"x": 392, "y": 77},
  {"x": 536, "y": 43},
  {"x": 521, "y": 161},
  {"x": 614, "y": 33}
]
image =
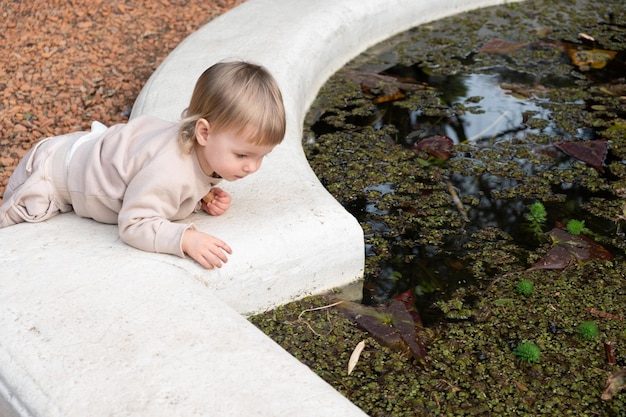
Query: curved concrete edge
[
  {"x": 151, "y": 345},
  {"x": 90, "y": 326},
  {"x": 303, "y": 241}
]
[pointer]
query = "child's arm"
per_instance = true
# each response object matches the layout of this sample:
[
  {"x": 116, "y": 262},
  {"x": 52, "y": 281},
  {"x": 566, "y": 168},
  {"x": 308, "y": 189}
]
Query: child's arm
[
  {"x": 156, "y": 196},
  {"x": 216, "y": 202},
  {"x": 207, "y": 250}
]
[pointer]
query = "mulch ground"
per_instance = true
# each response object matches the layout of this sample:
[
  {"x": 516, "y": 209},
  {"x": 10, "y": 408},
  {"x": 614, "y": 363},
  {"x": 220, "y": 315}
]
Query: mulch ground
[{"x": 65, "y": 63}]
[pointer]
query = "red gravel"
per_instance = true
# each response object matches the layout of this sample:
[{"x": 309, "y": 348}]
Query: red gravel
[{"x": 65, "y": 63}]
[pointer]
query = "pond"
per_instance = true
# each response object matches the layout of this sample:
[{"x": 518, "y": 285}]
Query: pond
[
  {"x": 483, "y": 155},
  {"x": 503, "y": 99}
]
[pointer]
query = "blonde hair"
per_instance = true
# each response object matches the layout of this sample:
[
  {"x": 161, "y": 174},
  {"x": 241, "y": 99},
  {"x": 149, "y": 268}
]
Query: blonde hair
[{"x": 236, "y": 95}]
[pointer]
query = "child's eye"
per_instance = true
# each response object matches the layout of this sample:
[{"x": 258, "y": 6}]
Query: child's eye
[{"x": 240, "y": 155}]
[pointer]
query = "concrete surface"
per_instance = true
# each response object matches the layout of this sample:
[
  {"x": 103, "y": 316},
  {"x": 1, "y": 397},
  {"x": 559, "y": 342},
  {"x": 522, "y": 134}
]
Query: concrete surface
[{"x": 92, "y": 327}]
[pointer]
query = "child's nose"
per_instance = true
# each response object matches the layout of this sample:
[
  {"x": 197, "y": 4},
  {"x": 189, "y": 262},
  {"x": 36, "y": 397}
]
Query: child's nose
[{"x": 253, "y": 165}]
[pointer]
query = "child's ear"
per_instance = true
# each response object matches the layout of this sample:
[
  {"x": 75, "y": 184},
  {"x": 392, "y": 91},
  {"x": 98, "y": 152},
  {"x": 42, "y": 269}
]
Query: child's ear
[{"x": 202, "y": 131}]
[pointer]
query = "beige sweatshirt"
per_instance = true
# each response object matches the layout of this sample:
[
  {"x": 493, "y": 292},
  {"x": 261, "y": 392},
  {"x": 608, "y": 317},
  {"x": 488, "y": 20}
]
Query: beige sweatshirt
[{"x": 136, "y": 175}]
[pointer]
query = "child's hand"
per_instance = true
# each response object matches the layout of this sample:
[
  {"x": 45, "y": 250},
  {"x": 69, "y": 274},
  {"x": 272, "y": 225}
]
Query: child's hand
[
  {"x": 216, "y": 202},
  {"x": 207, "y": 250}
]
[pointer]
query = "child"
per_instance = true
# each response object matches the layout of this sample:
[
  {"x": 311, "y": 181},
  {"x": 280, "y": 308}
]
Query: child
[{"x": 147, "y": 173}]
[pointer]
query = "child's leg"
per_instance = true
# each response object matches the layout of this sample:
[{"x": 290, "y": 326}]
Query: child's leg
[
  {"x": 30, "y": 194},
  {"x": 23, "y": 170}
]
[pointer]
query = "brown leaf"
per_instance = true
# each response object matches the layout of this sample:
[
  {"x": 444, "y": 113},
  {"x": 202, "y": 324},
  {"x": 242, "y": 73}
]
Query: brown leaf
[
  {"x": 591, "y": 152},
  {"x": 557, "y": 257},
  {"x": 405, "y": 326},
  {"x": 376, "y": 323},
  {"x": 386, "y": 99},
  {"x": 500, "y": 46},
  {"x": 614, "y": 383},
  {"x": 590, "y": 248},
  {"x": 568, "y": 248},
  {"x": 439, "y": 147},
  {"x": 391, "y": 326},
  {"x": 384, "y": 87},
  {"x": 520, "y": 385},
  {"x": 407, "y": 298}
]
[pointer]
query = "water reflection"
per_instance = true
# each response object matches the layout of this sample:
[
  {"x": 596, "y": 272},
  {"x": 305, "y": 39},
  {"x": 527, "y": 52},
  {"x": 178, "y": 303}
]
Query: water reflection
[
  {"x": 497, "y": 114},
  {"x": 486, "y": 110}
]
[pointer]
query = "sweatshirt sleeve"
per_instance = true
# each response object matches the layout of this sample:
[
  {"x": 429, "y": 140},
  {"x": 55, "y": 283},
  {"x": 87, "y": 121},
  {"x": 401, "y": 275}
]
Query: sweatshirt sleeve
[{"x": 151, "y": 199}]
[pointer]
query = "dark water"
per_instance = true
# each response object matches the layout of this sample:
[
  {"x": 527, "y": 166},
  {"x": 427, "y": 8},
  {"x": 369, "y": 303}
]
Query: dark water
[{"x": 482, "y": 110}]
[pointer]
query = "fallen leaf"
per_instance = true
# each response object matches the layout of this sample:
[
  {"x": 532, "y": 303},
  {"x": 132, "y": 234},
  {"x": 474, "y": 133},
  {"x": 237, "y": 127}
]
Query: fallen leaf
[
  {"x": 587, "y": 37},
  {"x": 568, "y": 248},
  {"x": 614, "y": 383},
  {"x": 374, "y": 321},
  {"x": 591, "y": 152},
  {"x": 500, "y": 46},
  {"x": 391, "y": 326},
  {"x": 354, "y": 357},
  {"x": 384, "y": 88},
  {"x": 520, "y": 385},
  {"x": 407, "y": 298},
  {"x": 439, "y": 147},
  {"x": 557, "y": 257},
  {"x": 592, "y": 58},
  {"x": 386, "y": 99},
  {"x": 405, "y": 326},
  {"x": 502, "y": 301}
]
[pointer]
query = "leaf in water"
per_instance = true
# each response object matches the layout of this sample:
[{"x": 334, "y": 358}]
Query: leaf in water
[
  {"x": 404, "y": 324},
  {"x": 384, "y": 88},
  {"x": 391, "y": 326},
  {"x": 500, "y": 46},
  {"x": 408, "y": 300},
  {"x": 591, "y": 152},
  {"x": 375, "y": 322},
  {"x": 590, "y": 249},
  {"x": 558, "y": 257},
  {"x": 568, "y": 248},
  {"x": 502, "y": 301},
  {"x": 615, "y": 383},
  {"x": 595, "y": 250},
  {"x": 356, "y": 354},
  {"x": 439, "y": 147},
  {"x": 592, "y": 58},
  {"x": 520, "y": 385},
  {"x": 386, "y": 99}
]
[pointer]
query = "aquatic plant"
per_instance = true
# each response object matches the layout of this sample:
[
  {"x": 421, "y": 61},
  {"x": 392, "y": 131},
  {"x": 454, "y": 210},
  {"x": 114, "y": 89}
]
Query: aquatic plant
[
  {"x": 576, "y": 227},
  {"x": 588, "y": 330},
  {"x": 528, "y": 352},
  {"x": 567, "y": 248},
  {"x": 466, "y": 363},
  {"x": 537, "y": 216},
  {"x": 525, "y": 287}
]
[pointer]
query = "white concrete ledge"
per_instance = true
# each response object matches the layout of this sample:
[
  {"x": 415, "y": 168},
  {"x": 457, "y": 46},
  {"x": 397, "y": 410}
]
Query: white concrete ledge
[{"x": 92, "y": 327}]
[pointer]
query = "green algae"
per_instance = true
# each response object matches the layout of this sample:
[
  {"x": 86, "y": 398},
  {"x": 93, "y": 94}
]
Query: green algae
[
  {"x": 455, "y": 231},
  {"x": 403, "y": 198},
  {"x": 472, "y": 364}
]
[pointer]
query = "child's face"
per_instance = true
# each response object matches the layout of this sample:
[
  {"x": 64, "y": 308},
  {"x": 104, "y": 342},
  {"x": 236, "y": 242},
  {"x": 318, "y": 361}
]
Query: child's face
[{"x": 227, "y": 153}]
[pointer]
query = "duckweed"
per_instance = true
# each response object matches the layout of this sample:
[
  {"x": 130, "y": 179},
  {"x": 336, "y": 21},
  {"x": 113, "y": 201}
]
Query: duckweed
[{"x": 412, "y": 211}]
